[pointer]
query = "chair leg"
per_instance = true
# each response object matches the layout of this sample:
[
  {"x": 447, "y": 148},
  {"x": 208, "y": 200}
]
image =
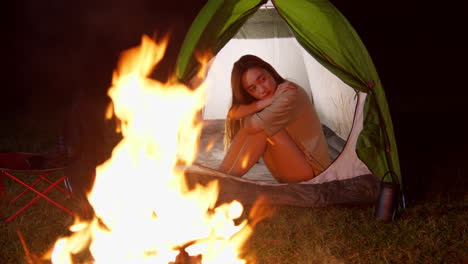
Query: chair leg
[
  {"x": 25, "y": 191},
  {"x": 69, "y": 188},
  {"x": 39, "y": 195},
  {"x": 2, "y": 189},
  {"x": 69, "y": 193}
]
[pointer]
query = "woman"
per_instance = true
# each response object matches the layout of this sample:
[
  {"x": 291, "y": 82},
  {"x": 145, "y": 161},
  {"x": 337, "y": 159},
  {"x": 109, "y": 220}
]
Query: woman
[{"x": 273, "y": 119}]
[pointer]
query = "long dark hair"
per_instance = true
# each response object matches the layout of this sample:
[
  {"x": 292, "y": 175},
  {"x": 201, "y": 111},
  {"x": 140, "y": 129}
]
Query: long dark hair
[{"x": 239, "y": 94}]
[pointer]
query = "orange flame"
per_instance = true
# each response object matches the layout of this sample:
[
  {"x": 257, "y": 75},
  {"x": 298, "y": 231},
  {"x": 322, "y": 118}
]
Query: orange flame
[{"x": 144, "y": 210}]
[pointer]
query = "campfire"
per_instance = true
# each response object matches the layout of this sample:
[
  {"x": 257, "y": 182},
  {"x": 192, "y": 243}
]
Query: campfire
[{"x": 145, "y": 213}]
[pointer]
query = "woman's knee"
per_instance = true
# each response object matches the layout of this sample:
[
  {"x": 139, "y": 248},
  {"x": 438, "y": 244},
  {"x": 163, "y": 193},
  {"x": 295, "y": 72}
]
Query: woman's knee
[{"x": 289, "y": 163}]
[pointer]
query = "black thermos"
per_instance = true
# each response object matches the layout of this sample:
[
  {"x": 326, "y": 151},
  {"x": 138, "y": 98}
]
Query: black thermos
[{"x": 387, "y": 202}]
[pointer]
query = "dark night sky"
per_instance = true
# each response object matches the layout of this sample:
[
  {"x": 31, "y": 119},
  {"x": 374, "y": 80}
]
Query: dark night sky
[
  {"x": 59, "y": 47},
  {"x": 53, "y": 48}
]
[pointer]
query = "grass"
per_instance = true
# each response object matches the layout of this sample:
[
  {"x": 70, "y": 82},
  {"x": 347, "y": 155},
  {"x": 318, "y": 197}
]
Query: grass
[
  {"x": 423, "y": 234},
  {"x": 430, "y": 231}
]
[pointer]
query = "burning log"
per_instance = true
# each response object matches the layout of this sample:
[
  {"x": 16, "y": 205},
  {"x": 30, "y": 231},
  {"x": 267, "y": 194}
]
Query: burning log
[{"x": 184, "y": 258}]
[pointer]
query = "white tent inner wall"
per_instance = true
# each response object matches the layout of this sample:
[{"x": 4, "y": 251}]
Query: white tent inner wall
[{"x": 334, "y": 100}]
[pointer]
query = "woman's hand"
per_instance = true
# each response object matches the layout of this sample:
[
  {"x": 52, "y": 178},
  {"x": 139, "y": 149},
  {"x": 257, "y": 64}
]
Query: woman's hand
[{"x": 284, "y": 87}]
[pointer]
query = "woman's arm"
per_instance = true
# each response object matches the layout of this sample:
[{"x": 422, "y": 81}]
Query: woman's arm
[{"x": 243, "y": 110}]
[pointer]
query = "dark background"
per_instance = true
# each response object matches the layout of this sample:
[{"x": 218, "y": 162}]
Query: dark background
[{"x": 55, "y": 48}]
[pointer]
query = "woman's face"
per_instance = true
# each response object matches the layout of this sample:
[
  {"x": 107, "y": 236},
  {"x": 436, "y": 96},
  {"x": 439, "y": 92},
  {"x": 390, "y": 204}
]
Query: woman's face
[{"x": 258, "y": 83}]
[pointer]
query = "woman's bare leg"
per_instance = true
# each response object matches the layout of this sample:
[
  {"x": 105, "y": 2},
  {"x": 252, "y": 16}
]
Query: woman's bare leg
[
  {"x": 289, "y": 162},
  {"x": 245, "y": 150}
]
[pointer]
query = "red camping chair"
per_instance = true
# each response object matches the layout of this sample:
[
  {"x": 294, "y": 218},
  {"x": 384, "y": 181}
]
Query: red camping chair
[{"x": 19, "y": 166}]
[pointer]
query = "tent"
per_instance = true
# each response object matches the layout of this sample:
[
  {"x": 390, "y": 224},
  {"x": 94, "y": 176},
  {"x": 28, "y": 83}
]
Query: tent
[{"x": 312, "y": 43}]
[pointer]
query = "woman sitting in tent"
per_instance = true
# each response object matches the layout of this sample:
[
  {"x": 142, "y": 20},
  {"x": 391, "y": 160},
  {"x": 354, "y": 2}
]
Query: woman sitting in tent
[{"x": 274, "y": 119}]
